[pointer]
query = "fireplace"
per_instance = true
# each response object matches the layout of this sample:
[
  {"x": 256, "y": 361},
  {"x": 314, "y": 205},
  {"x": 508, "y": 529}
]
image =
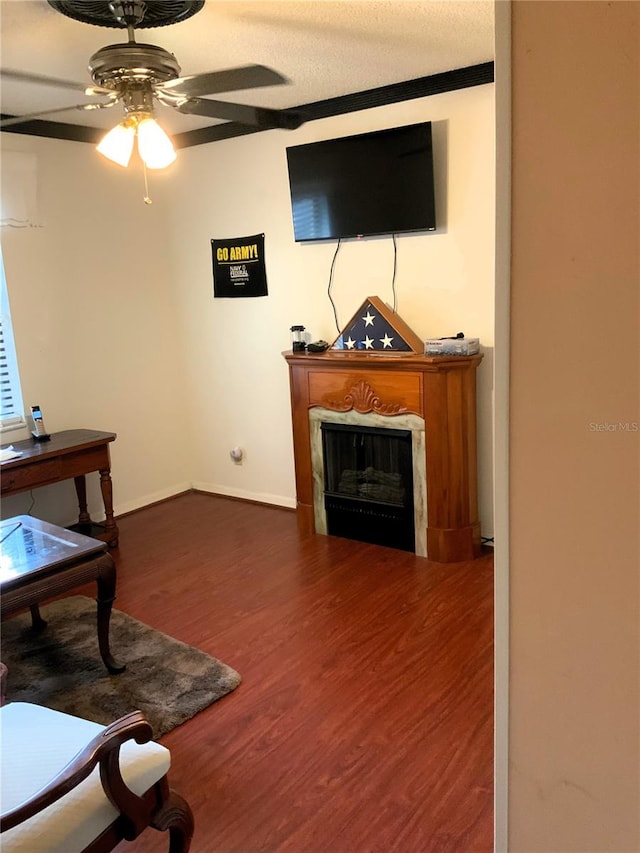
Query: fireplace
[
  {"x": 368, "y": 484},
  {"x": 431, "y": 402}
]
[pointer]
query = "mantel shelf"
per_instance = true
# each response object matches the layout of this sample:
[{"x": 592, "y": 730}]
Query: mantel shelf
[{"x": 377, "y": 360}]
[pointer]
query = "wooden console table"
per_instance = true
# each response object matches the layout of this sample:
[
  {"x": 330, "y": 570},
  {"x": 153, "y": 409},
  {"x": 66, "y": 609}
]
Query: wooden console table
[
  {"x": 439, "y": 389},
  {"x": 69, "y": 454}
]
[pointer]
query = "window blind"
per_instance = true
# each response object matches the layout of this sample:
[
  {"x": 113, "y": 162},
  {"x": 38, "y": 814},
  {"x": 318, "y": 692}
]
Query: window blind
[{"x": 11, "y": 411}]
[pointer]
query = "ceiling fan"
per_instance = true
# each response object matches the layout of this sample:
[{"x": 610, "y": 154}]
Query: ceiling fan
[{"x": 135, "y": 75}]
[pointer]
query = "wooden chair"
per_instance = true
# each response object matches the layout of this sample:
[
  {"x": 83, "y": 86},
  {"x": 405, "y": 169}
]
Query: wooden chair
[{"x": 70, "y": 785}]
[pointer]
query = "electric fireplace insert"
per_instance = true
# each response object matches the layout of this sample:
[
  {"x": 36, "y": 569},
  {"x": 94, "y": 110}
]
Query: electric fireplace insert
[{"x": 368, "y": 484}]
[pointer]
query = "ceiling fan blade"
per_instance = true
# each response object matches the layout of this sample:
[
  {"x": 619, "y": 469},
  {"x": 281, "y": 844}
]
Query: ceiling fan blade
[
  {"x": 242, "y": 113},
  {"x": 229, "y": 80},
  {"x": 7, "y": 122},
  {"x": 41, "y": 80}
]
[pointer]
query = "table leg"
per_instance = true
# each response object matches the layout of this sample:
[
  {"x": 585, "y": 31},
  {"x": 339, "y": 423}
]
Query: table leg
[
  {"x": 110, "y": 527},
  {"x": 81, "y": 492},
  {"x": 37, "y": 622},
  {"x": 106, "y": 582}
]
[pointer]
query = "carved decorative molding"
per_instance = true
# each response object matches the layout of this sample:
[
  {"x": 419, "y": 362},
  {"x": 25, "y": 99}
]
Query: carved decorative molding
[{"x": 363, "y": 398}]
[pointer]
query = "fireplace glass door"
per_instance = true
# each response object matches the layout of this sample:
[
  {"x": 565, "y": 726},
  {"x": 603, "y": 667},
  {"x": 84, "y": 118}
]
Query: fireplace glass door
[{"x": 368, "y": 486}]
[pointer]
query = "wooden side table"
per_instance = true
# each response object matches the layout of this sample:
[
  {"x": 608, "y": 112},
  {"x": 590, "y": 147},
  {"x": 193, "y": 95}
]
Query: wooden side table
[{"x": 69, "y": 454}]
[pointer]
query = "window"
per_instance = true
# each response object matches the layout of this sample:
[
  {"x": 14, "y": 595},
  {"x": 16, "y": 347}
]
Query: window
[{"x": 12, "y": 412}]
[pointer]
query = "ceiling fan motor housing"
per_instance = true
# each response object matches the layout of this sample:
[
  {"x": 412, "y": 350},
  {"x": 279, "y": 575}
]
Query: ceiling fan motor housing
[{"x": 129, "y": 62}]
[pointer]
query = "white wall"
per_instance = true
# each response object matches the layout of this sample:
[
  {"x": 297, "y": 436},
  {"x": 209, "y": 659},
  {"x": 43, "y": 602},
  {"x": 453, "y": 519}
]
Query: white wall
[
  {"x": 224, "y": 382},
  {"x": 445, "y": 282},
  {"x": 93, "y": 317}
]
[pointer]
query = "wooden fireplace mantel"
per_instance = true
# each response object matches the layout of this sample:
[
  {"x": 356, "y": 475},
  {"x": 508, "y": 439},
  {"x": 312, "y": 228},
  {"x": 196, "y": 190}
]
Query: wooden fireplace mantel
[{"x": 438, "y": 389}]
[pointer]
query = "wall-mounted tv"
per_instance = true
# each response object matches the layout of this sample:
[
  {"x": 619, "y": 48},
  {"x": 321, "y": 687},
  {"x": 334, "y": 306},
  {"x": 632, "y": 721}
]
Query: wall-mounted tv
[{"x": 370, "y": 184}]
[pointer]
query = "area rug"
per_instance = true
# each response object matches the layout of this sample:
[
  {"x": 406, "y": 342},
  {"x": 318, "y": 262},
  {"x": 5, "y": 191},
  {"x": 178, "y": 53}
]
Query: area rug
[{"x": 61, "y": 668}]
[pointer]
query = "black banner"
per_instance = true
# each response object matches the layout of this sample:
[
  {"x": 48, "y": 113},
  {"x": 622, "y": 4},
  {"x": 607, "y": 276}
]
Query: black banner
[{"x": 238, "y": 266}]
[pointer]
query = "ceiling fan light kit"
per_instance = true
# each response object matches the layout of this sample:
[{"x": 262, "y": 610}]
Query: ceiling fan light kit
[
  {"x": 154, "y": 146},
  {"x": 136, "y": 93}
]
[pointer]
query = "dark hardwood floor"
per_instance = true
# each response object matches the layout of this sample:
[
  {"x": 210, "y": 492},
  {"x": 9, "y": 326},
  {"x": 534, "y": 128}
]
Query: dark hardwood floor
[{"x": 364, "y": 721}]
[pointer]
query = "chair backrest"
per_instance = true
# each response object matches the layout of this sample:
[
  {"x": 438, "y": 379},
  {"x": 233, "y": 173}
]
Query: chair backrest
[{"x": 38, "y": 744}]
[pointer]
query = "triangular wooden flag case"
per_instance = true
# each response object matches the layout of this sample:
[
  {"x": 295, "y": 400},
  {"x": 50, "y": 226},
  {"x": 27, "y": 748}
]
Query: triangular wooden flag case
[{"x": 377, "y": 328}]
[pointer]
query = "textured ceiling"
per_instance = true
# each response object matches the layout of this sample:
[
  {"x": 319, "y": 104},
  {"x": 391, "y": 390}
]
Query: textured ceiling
[{"x": 325, "y": 49}]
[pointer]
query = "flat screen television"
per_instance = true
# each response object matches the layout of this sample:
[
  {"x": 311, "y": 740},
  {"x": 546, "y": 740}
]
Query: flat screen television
[{"x": 374, "y": 183}]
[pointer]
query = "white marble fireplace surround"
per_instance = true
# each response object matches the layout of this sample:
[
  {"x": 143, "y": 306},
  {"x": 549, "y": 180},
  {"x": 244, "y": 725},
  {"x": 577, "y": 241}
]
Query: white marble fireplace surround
[{"x": 414, "y": 423}]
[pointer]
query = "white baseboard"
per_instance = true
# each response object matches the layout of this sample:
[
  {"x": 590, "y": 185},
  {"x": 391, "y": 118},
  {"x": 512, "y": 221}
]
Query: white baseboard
[
  {"x": 155, "y": 497},
  {"x": 259, "y": 497}
]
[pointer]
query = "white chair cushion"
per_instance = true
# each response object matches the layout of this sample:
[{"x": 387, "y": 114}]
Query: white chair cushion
[{"x": 36, "y": 743}]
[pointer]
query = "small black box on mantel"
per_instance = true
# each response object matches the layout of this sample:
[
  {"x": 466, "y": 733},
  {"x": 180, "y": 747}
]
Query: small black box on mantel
[{"x": 451, "y": 346}]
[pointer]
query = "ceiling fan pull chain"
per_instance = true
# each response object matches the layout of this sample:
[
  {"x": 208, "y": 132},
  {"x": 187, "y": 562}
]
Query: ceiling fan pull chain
[{"x": 147, "y": 200}]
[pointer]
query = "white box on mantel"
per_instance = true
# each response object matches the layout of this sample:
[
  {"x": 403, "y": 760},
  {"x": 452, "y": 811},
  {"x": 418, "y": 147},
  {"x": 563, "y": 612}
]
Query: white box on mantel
[{"x": 451, "y": 346}]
